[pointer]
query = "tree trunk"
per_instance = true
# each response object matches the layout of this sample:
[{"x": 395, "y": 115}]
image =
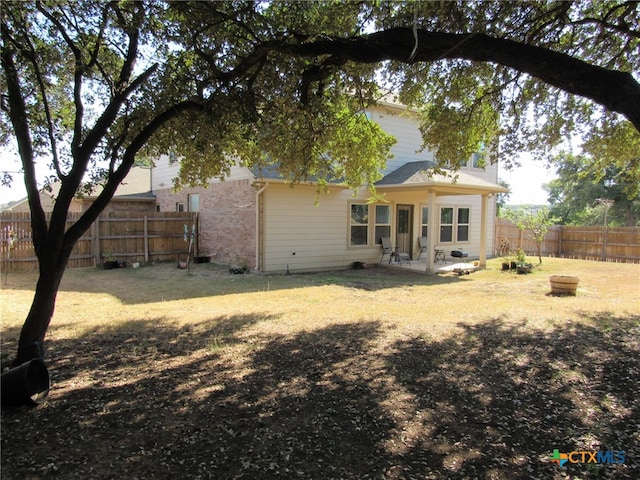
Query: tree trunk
[
  {"x": 630, "y": 217},
  {"x": 539, "y": 245},
  {"x": 34, "y": 329}
]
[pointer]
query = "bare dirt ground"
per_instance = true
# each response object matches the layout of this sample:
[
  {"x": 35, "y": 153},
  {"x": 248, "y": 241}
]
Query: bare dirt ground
[{"x": 370, "y": 374}]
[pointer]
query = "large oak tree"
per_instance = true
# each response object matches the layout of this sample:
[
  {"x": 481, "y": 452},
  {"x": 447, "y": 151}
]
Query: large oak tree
[{"x": 89, "y": 86}]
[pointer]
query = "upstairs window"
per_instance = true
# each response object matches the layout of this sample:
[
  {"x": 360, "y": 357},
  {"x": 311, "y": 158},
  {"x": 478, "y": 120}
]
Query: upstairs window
[{"x": 478, "y": 160}]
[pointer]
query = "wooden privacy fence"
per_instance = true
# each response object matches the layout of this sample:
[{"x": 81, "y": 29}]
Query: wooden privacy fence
[
  {"x": 610, "y": 244},
  {"x": 130, "y": 238}
]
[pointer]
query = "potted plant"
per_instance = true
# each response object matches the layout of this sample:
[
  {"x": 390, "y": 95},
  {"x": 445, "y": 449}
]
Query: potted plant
[
  {"x": 521, "y": 262},
  {"x": 508, "y": 261},
  {"x": 505, "y": 252}
]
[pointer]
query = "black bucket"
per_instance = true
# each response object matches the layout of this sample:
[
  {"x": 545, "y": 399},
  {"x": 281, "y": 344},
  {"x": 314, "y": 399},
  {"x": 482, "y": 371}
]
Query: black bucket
[{"x": 27, "y": 384}]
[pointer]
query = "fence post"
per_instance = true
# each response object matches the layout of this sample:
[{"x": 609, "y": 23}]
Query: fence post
[
  {"x": 197, "y": 235},
  {"x": 560, "y": 233},
  {"x": 146, "y": 239},
  {"x": 98, "y": 253},
  {"x": 94, "y": 251}
]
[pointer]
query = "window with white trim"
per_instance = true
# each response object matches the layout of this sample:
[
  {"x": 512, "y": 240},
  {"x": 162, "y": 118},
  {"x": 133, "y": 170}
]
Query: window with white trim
[
  {"x": 446, "y": 224},
  {"x": 478, "y": 160},
  {"x": 179, "y": 207},
  {"x": 460, "y": 164},
  {"x": 359, "y": 224},
  {"x": 424, "y": 225},
  {"x": 383, "y": 222},
  {"x": 462, "y": 227},
  {"x": 454, "y": 224},
  {"x": 193, "y": 200}
]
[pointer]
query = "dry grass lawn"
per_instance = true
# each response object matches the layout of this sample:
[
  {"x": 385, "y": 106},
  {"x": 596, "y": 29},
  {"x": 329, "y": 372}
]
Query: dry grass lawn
[{"x": 377, "y": 373}]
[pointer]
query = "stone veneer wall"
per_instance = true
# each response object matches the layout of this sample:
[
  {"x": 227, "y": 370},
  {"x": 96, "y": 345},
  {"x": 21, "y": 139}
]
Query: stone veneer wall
[{"x": 227, "y": 220}]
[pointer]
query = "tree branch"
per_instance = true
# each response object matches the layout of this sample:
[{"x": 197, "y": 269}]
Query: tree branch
[
  {"x": 78, "y": 74},
  {"x": 32, "y": 57},
  {"x": 18, "y": 115},
  {"x": 117, "y": 177},
  {"x": 132, "y": 48},
  {"x": 615, "y": 90}
]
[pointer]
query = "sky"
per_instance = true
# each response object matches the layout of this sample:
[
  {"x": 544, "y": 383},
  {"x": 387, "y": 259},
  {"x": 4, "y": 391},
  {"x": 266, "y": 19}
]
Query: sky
[{"x": 526, "y": 182}]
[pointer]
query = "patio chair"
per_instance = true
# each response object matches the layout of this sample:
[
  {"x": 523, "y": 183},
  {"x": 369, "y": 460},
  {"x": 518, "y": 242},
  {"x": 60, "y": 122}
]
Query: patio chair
[
  {"x": 394, "y": 253},
  {"x": 422, "y": 241},
  {"x": 387, "y": 249},
  {"x": 439, "y": 255}
]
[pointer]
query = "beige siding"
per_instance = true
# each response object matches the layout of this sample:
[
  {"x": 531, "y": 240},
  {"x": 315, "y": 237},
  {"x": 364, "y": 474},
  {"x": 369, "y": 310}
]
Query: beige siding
[
  {"x": 404, "y": 126},
  {"x": 163, "y": 174},
  {"x": 301, "y": 236},
  {"x": 474, "y": 203},
  {"x": 405, "y": 130}
]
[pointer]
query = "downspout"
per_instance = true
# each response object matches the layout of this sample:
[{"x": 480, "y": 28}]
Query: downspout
[{"x": 258, "y": 237}]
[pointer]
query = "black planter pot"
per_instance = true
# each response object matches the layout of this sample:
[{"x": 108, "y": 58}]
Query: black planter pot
[
  {"x": 525, "y": 268},
  {"x": 27, "y": 384}
]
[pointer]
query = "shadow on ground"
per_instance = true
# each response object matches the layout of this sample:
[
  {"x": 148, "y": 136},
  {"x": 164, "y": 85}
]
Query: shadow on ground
[{"x": 348, "y": 401}]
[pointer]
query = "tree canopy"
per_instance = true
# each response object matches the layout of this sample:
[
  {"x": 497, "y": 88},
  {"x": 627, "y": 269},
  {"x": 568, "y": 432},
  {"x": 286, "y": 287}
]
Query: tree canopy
[
  {"x": 579, "y": 195},
  {"x": 89, "y": 86}
]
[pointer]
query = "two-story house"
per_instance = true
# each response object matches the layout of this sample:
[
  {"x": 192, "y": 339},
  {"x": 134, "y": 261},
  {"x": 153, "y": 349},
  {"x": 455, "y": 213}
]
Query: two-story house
[{"x": 255, "y": 219}]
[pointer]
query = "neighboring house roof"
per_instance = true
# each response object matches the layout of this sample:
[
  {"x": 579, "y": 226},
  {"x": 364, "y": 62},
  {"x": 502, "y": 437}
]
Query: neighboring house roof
[
  {"x": 136, "y": 186},
  {"x": 416, "y": 174}
]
